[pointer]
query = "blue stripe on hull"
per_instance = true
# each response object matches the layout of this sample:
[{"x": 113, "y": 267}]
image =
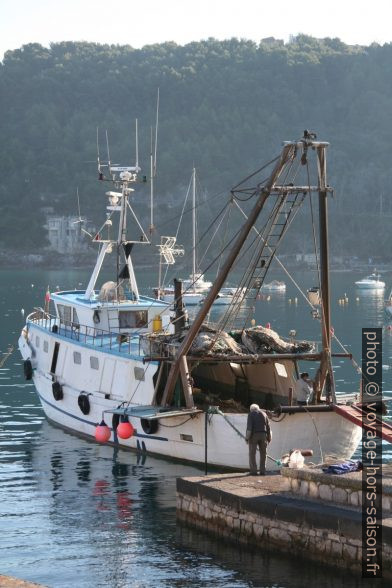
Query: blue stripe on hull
[{"x": 141, "y": 435}]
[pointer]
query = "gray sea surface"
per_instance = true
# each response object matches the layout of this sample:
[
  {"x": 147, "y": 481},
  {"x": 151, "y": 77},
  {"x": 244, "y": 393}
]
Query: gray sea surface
[{"x": 77, "y": 514}]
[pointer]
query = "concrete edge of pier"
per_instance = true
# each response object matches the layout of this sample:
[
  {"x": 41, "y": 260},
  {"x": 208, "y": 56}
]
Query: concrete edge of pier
[{"x": 264, "y": 511}]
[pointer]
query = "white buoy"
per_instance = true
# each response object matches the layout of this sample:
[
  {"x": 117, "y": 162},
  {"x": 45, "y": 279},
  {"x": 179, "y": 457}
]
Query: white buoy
[
  {"x": 32, "y": 285},
  {"x": 22, "y": 311}
]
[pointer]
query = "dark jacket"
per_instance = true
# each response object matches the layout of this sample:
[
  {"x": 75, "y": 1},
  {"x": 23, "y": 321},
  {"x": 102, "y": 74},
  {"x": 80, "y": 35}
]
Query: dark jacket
[{"x": 257, "y": 423}]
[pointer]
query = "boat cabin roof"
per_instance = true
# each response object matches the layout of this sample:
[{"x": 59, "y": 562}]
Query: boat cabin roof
[{"x": 76, "y": 298}]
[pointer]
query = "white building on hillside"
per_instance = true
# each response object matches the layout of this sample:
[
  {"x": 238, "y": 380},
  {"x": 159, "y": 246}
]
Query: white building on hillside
[{"x": 65, "y": 233}]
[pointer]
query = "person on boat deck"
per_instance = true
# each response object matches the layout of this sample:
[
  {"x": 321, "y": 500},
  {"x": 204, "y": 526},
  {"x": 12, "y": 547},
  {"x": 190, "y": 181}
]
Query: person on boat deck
[
  {"x": 303, "y": 389},
  {"x": 258, "y": 434}
]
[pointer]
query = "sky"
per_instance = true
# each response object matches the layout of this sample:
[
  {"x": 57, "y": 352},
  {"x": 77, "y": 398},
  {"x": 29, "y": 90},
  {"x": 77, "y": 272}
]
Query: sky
[{"x": 145, "y": 22}]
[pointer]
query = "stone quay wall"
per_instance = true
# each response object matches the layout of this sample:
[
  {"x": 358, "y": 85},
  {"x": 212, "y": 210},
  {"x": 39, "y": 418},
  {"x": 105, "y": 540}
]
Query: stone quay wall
[
  {"x": 345, "y": 490},
  {"x": 322, "y": 532}
]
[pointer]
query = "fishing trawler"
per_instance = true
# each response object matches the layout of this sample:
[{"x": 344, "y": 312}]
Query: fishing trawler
[{"x": 110, "y": 356}]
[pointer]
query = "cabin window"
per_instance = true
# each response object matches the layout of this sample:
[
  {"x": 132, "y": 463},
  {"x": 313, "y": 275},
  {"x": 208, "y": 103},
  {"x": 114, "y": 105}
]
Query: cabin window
[
  {"x": 77, "y": 357},
  {"x": 94, "y": 363},
  {"x": 46, "y": 346},
  {"x": 133, "y": 319},
  {"x": 184, "y": 437},
  {"x": 281, "y": 369},
  {"x": 75, "y": 318},
  {"x": 37, "y": 341},
  {"x": 139, "y": 373},
  {"x": 65, "y": 313}
]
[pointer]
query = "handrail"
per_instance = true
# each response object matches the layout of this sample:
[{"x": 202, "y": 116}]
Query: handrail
[{"x": 84, "y": 333}]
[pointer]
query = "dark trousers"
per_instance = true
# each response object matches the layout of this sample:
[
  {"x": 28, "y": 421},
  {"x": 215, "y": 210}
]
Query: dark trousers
[{"x": 257, "y": 440}]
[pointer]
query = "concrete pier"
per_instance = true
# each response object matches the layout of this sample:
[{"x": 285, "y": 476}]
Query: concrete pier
[{"x": 305, "y": 512}]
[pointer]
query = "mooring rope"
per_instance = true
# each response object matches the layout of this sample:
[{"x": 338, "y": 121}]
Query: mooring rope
[{"x": 216, "y": 410}]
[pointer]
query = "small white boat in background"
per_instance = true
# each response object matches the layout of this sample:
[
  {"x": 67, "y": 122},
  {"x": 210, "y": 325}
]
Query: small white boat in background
[
  {"x": 194, "y": 290},
  {"x": 388, "y": 304},
  {"x": 371, "y": 282},
  {"x": 225, "y": 297},
  {"x": 274, "y": 286}
]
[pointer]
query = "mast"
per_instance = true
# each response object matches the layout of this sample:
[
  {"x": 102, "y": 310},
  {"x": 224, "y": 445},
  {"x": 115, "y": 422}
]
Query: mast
[
  {"x": 151, "y": 188},
  {"x": 122, "y": 177},
  {"x": 153, "y": 166},
  {"x": 326, "y": 374},
  {"x": 263, "y": 193},
  {"x": 194, "y": 228}
]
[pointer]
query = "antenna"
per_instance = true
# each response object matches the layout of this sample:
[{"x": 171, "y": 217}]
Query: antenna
[
  {"x": 80, "y": 220},
  {"x": 99, "y": 162},
  {"x": 153, "y": 166},
  {"x": 100, "y": 174},
  {"x": 137, "y": 145},
  {"x": 151, "y": 188},
  {"x": 77, "y": 195},
  {"x": 156, "y": 135},
  {"x": 107, "y": 148}
]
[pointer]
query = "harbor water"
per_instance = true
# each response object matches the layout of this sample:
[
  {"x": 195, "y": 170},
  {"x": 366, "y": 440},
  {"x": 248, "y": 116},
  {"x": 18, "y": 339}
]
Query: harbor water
[{"x": 77, "y": 514}]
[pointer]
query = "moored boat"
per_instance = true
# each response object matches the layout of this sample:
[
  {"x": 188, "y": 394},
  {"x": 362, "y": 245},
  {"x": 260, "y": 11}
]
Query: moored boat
[
  {"x": 113, "y": 355},
  {"x": 371, "y": 282},
  {"x": 274, "y": 286}
]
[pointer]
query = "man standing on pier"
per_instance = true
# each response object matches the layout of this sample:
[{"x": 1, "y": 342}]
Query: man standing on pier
[{"x": 258, "y": 434}]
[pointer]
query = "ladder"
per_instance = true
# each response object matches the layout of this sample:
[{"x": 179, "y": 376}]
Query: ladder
[
  {"x": 113, "y": 320},
  {"x": 285, "y": 208}
]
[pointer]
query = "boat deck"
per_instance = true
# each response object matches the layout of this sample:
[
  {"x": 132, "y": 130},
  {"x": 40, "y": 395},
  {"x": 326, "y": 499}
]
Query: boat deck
[{"x": 117, "y": 343}]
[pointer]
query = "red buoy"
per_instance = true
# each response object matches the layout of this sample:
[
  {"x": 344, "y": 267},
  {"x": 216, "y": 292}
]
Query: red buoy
[
  {"x": 268, "y": 326},
  {"x": 102, "y": 432},
  {"x": 125, "y": 430}
]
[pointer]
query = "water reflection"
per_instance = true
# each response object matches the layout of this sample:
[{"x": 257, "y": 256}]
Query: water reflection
[{"x": 266, "y": 569}]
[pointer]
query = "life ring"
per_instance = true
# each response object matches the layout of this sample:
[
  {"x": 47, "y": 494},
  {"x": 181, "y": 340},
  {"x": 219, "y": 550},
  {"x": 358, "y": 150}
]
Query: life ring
[
  {"x": 57, "y": 390},
  {"x": 28, "y": 369},
  {"x": 84, "y": 403},
  {"x": 149, "y": 426}
]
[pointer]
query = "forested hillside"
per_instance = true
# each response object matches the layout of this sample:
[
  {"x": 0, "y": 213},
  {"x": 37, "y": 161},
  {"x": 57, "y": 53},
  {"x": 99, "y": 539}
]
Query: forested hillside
[{"x": 225, "y": 107}]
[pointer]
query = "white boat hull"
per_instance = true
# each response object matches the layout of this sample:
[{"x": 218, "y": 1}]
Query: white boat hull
[
  {"x": 374, "y": 286},
  {"x": 189, "y": 299},
  {"x": 338, "y": 437},
  {"x": 183, "y": 438}
]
